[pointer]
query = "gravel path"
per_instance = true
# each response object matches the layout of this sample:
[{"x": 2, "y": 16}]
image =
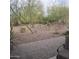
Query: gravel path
[{"x": 43, "y": 49}]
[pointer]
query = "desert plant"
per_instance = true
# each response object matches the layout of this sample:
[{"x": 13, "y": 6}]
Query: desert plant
[{"x": 22, "y": 30}]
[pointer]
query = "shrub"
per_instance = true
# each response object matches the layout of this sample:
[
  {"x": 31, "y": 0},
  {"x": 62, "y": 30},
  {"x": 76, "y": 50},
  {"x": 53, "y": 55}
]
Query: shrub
[{"x": 23, "y": 30}]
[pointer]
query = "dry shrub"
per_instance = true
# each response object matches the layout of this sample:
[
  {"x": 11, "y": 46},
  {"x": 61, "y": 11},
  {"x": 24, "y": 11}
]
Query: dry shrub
[{"x": 22, "y": 30}]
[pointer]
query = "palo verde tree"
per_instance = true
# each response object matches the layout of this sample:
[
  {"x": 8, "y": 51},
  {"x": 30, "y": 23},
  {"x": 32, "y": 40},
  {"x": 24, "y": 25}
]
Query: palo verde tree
[
  {"x": 32, "y": 11},
  {"x": 29, "y": 12}
]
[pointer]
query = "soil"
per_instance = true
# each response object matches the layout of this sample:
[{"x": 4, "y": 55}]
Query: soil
[
  {"x": 40, "y": 32},
  {"x": 36, "y": 45}
]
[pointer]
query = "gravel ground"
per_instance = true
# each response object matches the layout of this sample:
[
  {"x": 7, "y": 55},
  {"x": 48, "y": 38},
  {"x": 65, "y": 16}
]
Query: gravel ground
[
  {"x": 42, "y": 49},
  {"x": 42, "y": 44}
]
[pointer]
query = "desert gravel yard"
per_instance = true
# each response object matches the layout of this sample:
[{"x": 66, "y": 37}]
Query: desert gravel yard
[
  {"x": 42, "y": 49},
  {"x": 40, "y": 32},
  {"x": 41, "y": 44}
]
